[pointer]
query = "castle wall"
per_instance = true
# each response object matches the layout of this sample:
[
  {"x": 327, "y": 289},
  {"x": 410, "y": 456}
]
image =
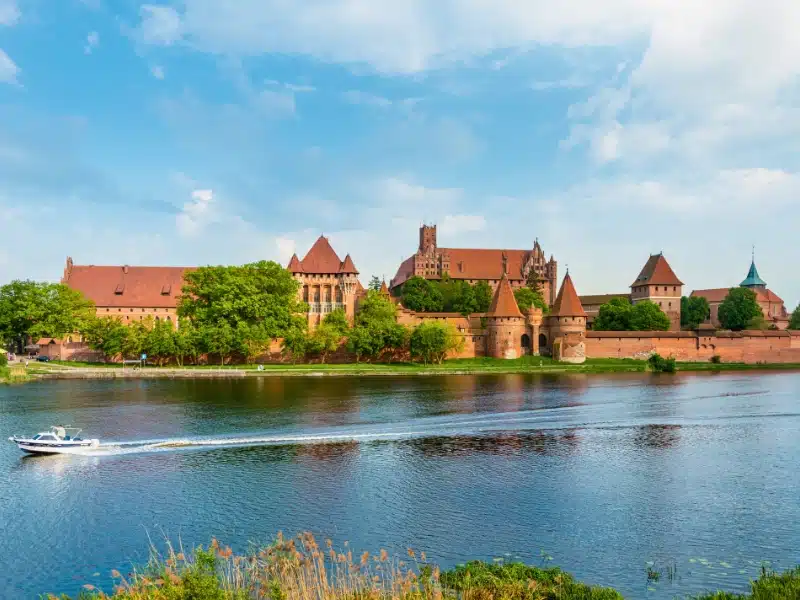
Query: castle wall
[{"x": 747, "y": 347}]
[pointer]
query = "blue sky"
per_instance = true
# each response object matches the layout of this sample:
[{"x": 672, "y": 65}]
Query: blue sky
[{"x": 197, "y": 131}]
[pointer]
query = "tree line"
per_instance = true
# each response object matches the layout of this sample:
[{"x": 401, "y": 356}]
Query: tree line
[{"x": 224, "y": 312}]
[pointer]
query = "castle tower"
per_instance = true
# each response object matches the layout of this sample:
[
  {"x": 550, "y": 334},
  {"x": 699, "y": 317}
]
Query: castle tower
[
  {"x": 566, "y": 325},
  {"x": 753, "y": 281},
  {"x": 658, "y": 283},
  {"x": 505, "y": 324},
  {"x": 427, "y": 239}
]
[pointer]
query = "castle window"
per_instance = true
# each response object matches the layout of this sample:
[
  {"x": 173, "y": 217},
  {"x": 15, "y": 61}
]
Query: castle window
[
  {"x": 108, "y": 309},
  {"x": 674, "y": 288}
]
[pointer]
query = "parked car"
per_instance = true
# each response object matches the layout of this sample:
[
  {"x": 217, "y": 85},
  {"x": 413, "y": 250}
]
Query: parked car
[{"x": 43, "y": 358}]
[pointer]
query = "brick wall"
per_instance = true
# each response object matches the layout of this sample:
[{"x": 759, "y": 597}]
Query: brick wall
[{"x": 747, "y": 346}]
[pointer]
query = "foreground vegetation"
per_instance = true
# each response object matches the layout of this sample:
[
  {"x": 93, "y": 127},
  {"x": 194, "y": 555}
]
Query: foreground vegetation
[{"x": 300, "y": 569}]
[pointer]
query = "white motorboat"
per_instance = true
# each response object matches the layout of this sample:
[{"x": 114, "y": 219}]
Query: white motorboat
[{"x": 59, "y": 440}]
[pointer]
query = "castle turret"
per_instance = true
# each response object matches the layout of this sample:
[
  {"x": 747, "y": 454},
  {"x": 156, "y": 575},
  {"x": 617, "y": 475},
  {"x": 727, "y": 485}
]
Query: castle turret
[
  {"x": 505, "y": 324},
  {"x": 567, "y": 325},
  {"x": 658, "y": 283}
]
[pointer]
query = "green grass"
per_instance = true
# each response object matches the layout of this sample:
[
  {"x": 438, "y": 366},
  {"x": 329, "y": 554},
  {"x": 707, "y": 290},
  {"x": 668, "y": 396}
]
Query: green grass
[
  {"x": 300, "y": 569},
  {"x": 10, "y": 375}
]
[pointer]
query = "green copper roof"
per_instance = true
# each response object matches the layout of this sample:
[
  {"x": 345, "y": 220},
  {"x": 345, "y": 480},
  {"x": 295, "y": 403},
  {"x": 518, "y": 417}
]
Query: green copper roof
[{"x": 753, "y": 280}]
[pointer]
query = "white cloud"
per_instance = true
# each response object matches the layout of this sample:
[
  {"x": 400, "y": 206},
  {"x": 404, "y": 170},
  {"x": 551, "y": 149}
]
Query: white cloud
[
  {"x": 399, "y": 192},
  {"x": 157, "y": 71},
  {"x": 196, "y": 214},
  {"x": 365, "y": 98},
  {"x": 286, "y": 248},
  {"x": 92, "y": 41},
  {"x": 300, "y": 89},
  {"x": 453, "y": 225},
  {"x": 9, "y": 12},
  {"x": 160, "y": 25},
  {"x": 274, "y": 103},
  {"x": 8, "y": 69}
]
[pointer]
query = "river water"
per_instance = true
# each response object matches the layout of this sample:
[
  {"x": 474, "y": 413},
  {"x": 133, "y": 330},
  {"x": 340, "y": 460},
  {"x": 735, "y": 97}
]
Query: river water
[{"x": 601, "y": 473}]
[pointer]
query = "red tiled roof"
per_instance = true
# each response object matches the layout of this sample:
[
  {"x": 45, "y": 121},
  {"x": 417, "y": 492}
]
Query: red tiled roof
[
  {"x": 600, "y": 299},
  {"x": 567, "y": 302},
  {"x": 123, "y": 286},
  {"x": 348, "y": 267},
  {"x": 768, "y": 296},
  {"x": 503, "y": 303},
  {"x": 323, "y": 260},
  {"x": 657, "y": 271},
  {"x": 713, "y": 295},
  {"x": 294, "y": 265}
]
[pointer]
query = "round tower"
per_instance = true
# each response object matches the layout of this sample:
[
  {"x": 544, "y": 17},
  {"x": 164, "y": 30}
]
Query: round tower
[
  {"x": 505, "y": 324},
  {"x": 567, "y": 325}
]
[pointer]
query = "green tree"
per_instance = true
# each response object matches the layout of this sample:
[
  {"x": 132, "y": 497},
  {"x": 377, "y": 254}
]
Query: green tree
[
  {"x": 325, "y": 339},
  {"x": 421, "y": 295},
  {"x": 187, "y": 341},
  {"x": 483, "y": 296},
  {"x": 160, "y": 342},
  {"x": 337, "y": 319},
  {"x": 376, "y": 329},
  {"x": 134, "y": 342},
  {"x": 614, "y": 315},
  {"x": 295, "y": 341},
  {"x": 106, "y": 335},
  {"x": 34, "y": 309},
  {"x": 262, "y": 293},
  {"x": 252, "y": 340},
  {"x": 694, "y": 311},
  {"x": 374, "y": 284},
  {"x": 526, "y": 297},
  {"x": 794, "y": 321},
  {"x": 221, "y": 340},
  {"x": 431, "y": 341},
  {"x": 460, "y": 297},
  {"x": 738, "y": 309},
  {"x": 647, "y": 316}
]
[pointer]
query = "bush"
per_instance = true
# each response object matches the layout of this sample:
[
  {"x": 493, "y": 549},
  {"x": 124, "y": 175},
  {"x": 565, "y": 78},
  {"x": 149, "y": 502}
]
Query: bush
[
  {"x": 716, "y": 359},
  {"x": 3, "y": 359},
  {"x": 769, "y": 586},
  {"x": 659, "y": 364}
]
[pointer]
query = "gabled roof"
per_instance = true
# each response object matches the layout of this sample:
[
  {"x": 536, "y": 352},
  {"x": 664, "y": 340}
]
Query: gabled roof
[
  {"x": 657, "y": 271},
  {"x": 503, "y": 303},
  {"x": 600, "y": 299},
  {"x": 128, "y": 287},
  {"x": 567, "y": 302},
  {"x": 294, "y": 265},
  {"x": 712, "y": 295},
  {"x": 753, "y": 279},
  {"x": 347, "y": 266}
]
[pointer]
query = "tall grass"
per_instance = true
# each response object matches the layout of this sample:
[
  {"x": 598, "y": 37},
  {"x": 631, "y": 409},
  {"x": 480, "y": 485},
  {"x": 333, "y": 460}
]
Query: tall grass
[{"x": 301, "y": 569}]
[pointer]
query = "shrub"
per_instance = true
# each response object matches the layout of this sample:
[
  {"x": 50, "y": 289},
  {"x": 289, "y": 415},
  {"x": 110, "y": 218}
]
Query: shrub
[
  {"x": 716, "y": 359},
  {"x": 3, "y": 359},
  {"x": 659, "y": 364}
]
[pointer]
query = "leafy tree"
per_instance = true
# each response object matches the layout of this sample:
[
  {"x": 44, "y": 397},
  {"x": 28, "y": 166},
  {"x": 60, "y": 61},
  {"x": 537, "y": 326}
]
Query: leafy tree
[
  {"x": 647, "y": 316},
  {"x": 526, "y": 297},
  {"x": 160, "y": 342},
  {"x": 253, "y": 340},
  {"x": 376, "y": 328},
  {"x": 374, "y": 284},
  {"x": 533, "y": 282},
  {"x": 794, "y": 321},
  {"x": 614, "y": 315},
  {"x": 483, "y": 296},
  {"x": 187, "y": 341},
  {"x": 431, "y": 341},
  {"x": 739, "y": 309},
  {"x": 134, "y": 341},
  {"x": 262, "y": 293},
  {"x": 694, "y": 311},
  {"x": 337, "y": 319},
  {"x": 106, "y": 335},
  {"x": 422, "y": 295},
  {"x": 34, "y": 309},
  {"x": 221, "y": 340},
  {"x": 295, "y": 341},
  {"x": 460, "y": 297},
  {"x": 326, "y": 338}
]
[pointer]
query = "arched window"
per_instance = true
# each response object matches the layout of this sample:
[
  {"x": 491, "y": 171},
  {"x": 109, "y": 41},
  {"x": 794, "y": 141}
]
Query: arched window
[
  {"x": 525, "y": 342},
  {"x": 339, "y": 295},
  {"x": 305, "y": 293}
]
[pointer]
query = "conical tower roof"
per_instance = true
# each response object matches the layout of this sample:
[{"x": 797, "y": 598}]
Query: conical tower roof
[
  {"x": 294, "y": 265},
  {"x": 504, "y": 304},
  {"x": 753, "y": 279},
  {"x": 567, "y": 302},
  {"x": 657, "y": 271},
  {"x": 321, "y": 259},
  {"x": 348, "y": 267},
  {"x": 384, "y": 291}
]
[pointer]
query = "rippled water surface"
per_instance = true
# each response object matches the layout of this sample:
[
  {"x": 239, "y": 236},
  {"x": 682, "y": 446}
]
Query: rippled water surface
[{"x": 603, "y": 474}]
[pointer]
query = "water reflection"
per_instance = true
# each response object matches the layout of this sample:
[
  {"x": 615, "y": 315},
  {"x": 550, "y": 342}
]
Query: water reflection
[
  {"x": 657, "y": 436},
  {"x": 545, "y": 443}
]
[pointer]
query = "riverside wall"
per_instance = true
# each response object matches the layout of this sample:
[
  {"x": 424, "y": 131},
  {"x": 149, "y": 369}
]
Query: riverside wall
[{"x": 749, "y": 347}]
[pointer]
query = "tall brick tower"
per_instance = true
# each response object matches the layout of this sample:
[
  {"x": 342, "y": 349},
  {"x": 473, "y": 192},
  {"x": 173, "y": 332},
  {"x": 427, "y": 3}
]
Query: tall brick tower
[
  {"x": 427, "y": 240},
  {"x": 658, "y": 283},
  {"x": 505, "y": 324},
  {"x": 567, "y": 325}
]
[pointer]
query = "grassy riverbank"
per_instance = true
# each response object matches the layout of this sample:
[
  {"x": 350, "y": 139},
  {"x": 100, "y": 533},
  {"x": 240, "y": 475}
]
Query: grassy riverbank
[
  {"x": 300, "y": 569},
  {"x": 528, "y": 364}
]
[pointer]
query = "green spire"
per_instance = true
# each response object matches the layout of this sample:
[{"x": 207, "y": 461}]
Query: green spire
[{"x": 753, "y": 279}]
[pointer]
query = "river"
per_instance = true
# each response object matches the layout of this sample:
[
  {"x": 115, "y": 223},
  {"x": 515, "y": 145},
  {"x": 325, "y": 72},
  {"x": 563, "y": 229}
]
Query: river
[{"x": 599, "y": 473}]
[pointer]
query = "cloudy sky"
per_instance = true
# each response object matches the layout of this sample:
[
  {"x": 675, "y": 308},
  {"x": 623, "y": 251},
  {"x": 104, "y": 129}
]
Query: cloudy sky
[{"x": 198, "y": 131}]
